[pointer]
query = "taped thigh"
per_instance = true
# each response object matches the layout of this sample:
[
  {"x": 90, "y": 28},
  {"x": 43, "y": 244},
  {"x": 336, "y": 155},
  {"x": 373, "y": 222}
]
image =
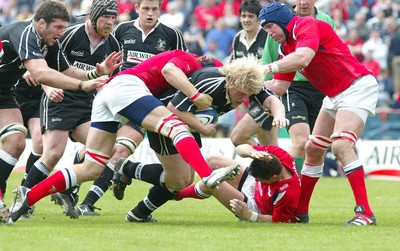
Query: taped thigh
[
  {"x": 173, "y": 128},
  {"x": 127, "y": 142},
  {"x": 12, "y": 129},
  {"x": 344, "y": 135},
  {"x": 320, "y": 141},
  {"x": 97, "y": 157}
]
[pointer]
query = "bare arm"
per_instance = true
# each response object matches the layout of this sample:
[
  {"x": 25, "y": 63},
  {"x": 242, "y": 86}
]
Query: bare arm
[
  {"x": 47, "y": 76},
  {"x": 277, "y": 86},
  {"x": 277, "y": 109},
  {"x": 295, "y": 61},
  {"x": 178, "y": 79},
  {"x": 246, "y": 150},
  {"x": 192, "y": 121},
  {"x": 240, "y": 209}
]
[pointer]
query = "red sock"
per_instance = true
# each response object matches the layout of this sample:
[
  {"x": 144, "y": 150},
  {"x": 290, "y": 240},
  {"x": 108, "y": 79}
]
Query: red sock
[
  {"x": 190, "y": 152},
  {"x": 357, "y": 183},
  {"x": 307, "y": 187},
  {"x": 50, "y": 185},
  {"x": 188, "y": 192}
]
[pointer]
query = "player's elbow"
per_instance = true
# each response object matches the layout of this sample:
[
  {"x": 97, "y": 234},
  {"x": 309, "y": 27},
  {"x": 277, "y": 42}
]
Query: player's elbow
[{"x": 168, "y": 70}]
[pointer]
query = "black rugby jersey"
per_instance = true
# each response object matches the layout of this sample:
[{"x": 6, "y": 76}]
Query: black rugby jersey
[
  {"x": 137, "y": 47},
  {"x": 209, "y": 81},
  {"x": 82, "y": 55},
  {"x": 239, "y": 49},
  {"x": 21, "y": 42}
]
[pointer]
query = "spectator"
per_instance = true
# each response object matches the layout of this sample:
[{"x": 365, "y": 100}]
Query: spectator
[
  {"x": 375, "y": 43},
  {"x": 355, "y": 43},
  {"x": 173, "y": 17},
  {"x": 223, "y": 34},
  {"x": 394, "y": 58},
  {"x": 207, "y": 12},
  {"x": 194, "y": 37},
  {"x": 214, "y": 51},
  {"x": 371, "y": 64},
  {"x": 341, "y": 27},
  {"x": 360, "y": 24}
]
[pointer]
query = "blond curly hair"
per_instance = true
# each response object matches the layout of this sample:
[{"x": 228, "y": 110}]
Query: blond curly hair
[{"x": 244, "y": 75}]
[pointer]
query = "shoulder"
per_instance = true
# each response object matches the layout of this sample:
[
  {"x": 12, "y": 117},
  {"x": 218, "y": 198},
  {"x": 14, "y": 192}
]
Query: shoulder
[{"x": 168, "y": 29}]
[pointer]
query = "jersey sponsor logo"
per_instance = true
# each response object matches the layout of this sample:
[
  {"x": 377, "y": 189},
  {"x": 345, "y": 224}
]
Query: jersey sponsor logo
[
  {"x": 137, "y": 57},
  {"x": 240, "y": 54},
  {"x": 83, "y": 66},
  {"x": 36, "y": 54},
  {"x": 161, "y": 45},
  {"x": 129, "y": 41},
  {"x": 56, "y": 119},
  {"x": 284, "y": 187},
  {"x": 77, "y": 53}
]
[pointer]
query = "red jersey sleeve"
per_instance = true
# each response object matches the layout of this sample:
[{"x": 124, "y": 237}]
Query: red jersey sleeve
[
  {"x": 185, "y": 61},
  {"x": 306, "y": 33}
]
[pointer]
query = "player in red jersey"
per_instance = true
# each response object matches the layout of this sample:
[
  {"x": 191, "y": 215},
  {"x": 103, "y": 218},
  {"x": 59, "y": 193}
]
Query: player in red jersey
[
  {"x": 130, "y": 95},
  {"x": 312, "y": 47},
  {"x": 266, "y": 191}
]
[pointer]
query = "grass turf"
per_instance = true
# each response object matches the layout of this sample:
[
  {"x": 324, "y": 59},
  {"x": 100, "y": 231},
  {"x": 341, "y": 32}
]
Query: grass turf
[{"x": 207, "y": 225}]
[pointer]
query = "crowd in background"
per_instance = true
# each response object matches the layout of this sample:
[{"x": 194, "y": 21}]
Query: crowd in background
[{"x": 371, "y": 29}]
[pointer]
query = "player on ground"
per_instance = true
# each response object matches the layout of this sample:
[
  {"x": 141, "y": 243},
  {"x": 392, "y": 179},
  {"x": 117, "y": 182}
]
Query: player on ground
[
  {"x": 312, "y": 47},
  {"x": 266, "y": 191}
]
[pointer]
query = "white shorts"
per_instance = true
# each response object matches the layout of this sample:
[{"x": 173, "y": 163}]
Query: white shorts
[
  {"x": 248, "y": 189},
  {"x": 360, "y": 98},
  {"x": 120, "y": 92}
]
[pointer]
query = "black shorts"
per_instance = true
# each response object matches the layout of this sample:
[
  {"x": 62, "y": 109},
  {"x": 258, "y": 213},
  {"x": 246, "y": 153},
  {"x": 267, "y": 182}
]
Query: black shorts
[
  {"x": 136, "y": 127},
  {"x": 66, "y": 115},
  {"x": 164, "y": 146},
  {"x": 30, "y": 107},
  {"x": 7, "y": 99},
  {"x": 302, "y": 103},
  {"x": 260, "y": 116}
]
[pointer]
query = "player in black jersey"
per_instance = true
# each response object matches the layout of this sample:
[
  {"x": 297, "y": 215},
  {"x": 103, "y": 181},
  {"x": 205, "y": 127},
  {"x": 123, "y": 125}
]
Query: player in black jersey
[
  {"x": 66, "y": 113},
  {"x": 33, "y": 45},
  {"x": 251, "y": 40},
  {"x": 229, "y": 86},
  {"x": 139, "y": 39},
  {"x": 28, "y": 96}
]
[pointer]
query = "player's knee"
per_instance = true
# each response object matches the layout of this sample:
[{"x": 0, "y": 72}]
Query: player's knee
[
  {"x": 14, "y": 134},
  {"x": 213, "y": 160},
  {"x": 171, "y": 126},
  {"x": 343, "y": 142},
  {"x": 125, "y": 146},
  {"x": 317, "y": 145}
]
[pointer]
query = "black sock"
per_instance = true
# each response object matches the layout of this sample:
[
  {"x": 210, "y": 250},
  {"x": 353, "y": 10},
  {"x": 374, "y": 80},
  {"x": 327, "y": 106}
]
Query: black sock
[
  {"x": 157, "y": 197},
  {"x": 100, "y": 186},
  {"x": 5, "y": 171},
  {"x": 29, "y": 163},
  {"x": 150, "y": 173},
  {"x": 37, "y": 173}
]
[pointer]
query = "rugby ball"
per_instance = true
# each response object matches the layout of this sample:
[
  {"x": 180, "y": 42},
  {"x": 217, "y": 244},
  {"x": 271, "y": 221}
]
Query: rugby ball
[{"x": 207, "y": 117}]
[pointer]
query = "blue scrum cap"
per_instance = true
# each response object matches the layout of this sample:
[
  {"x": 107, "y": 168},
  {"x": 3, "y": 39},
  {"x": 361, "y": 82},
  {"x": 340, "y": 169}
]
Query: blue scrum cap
[{"x": 277, "y": 13}]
